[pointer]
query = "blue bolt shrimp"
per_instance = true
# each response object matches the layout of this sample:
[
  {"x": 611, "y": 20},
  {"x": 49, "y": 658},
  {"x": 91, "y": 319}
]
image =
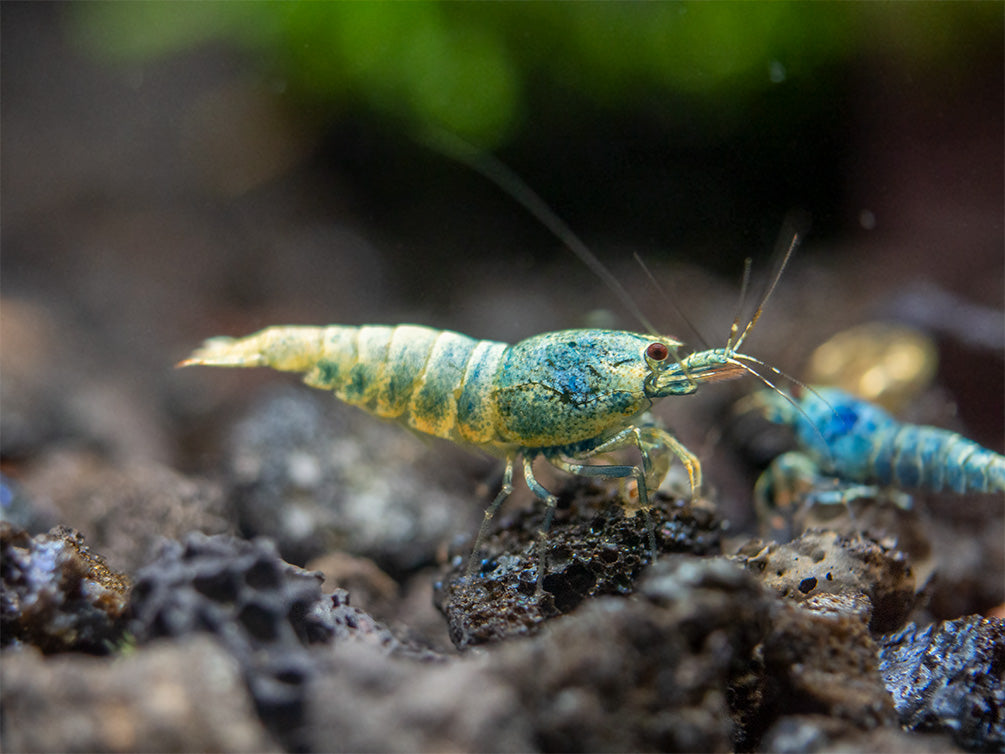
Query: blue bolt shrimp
[
  {"x": 865, "y": 448},
  {"x": 566, "y": 396}
]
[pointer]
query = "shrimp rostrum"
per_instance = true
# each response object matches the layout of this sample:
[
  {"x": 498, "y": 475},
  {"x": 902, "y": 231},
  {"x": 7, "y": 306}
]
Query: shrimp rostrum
[{"x": 565, "y": 396}]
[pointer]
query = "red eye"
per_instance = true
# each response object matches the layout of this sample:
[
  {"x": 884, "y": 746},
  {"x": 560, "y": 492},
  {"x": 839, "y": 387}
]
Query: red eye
[{"x": 657, "y": 351}]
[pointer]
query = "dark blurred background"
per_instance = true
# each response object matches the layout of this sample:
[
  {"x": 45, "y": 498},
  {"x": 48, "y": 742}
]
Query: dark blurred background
[{"x": 175, "y": 171}]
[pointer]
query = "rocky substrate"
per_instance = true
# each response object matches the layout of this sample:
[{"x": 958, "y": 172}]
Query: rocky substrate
[{"x": 218, "y": 643}]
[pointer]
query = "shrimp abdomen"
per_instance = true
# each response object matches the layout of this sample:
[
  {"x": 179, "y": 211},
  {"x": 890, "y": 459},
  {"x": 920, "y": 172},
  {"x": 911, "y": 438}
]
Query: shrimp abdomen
[
  {"x": 946, "y": 460},
  {"x": 435, "y": 381}
]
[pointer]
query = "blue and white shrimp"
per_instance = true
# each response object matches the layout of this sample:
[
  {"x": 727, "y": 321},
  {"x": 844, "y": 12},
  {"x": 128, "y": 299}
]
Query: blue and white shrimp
[
  {"x": 859, "y": 442},
  {"x": 566, "y": 396},
  {"x": 850, "y": 449}
]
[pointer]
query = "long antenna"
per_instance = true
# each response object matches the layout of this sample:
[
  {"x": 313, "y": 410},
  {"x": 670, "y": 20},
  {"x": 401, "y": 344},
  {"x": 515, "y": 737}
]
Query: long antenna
[
  {"x": 672, "y": 301},
  {"x": 485, "y": 163}
]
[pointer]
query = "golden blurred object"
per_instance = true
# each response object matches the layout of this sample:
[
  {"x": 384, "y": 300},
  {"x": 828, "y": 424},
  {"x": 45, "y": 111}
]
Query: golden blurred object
[{"x": 882, "y": 362}]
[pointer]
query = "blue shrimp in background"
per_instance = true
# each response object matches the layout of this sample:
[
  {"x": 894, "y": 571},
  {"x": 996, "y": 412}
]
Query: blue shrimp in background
[
  {"x": 860, "y": 442},
  {"x": 851, "y": 449}
]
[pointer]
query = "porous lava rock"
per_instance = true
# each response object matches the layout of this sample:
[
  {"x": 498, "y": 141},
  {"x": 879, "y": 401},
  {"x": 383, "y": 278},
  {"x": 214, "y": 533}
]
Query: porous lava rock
[
  {"x": 825, "y": 562},
  {"x": 271, "y": 616},
  {"x": 950, "y": 676},
  {"x": 592, "y": 548},
  {"x": 56, "y": 594}
]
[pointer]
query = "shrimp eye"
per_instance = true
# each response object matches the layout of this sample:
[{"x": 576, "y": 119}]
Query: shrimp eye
[{"x": 657, "y": 351}]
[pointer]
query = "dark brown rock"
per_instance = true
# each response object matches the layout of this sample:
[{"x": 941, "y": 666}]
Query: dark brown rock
[
  {"x": 827, "y": 664},
  {"x": 371, "y": 701},
  {"x": 649, "y": 672},
  {"x": 593, "y": 548}
]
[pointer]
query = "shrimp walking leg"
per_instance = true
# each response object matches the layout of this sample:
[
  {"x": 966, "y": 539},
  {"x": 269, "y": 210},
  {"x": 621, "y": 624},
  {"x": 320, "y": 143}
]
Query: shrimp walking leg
[
  {"x": 504, "y": 492},
  {"x": 616, "y": 472},
  {"x": 653, "y": 441},
  {"x": 793, "y": 485},
  {"x": 551, "y": 502}
]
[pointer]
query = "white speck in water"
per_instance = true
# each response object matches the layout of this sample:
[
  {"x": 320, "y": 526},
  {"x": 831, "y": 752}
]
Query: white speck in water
[
  {"x": 867, "y": 219},
  {"x": 776, "y": 72}
]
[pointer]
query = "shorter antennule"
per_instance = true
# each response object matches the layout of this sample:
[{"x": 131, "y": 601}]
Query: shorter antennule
[
  {"x": 793, "y": 245},
  {"x": 731, "y": 342}
]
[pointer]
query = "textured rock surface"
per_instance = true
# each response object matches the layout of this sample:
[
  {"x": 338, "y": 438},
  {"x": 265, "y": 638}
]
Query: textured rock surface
[
  {"x": 125, "y": 510},
  {"x": 179, "y": 696},
  {"x": 646, "y": 673},
  {"x": 593, "y": 548},
  {"x": 824, "y": 663},
  {"x": 57, "y": 595},
  {"x": 824, "y": 562},
  {"x": 268, "y": 614},
  {"x": 373, "y": 701},
  {"x": 316, "y": 475},
  {"x": 950, "y": 676}
]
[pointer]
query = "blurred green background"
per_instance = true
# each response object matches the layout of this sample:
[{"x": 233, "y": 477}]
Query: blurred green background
[
  {"x": 664, "y": 117},
  {"x": 479, "y": 69}
]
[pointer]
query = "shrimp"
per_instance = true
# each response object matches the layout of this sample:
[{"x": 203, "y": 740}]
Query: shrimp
[
  {"x": 565, "y": 396},
  {"x": 861, "y": 443}
]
